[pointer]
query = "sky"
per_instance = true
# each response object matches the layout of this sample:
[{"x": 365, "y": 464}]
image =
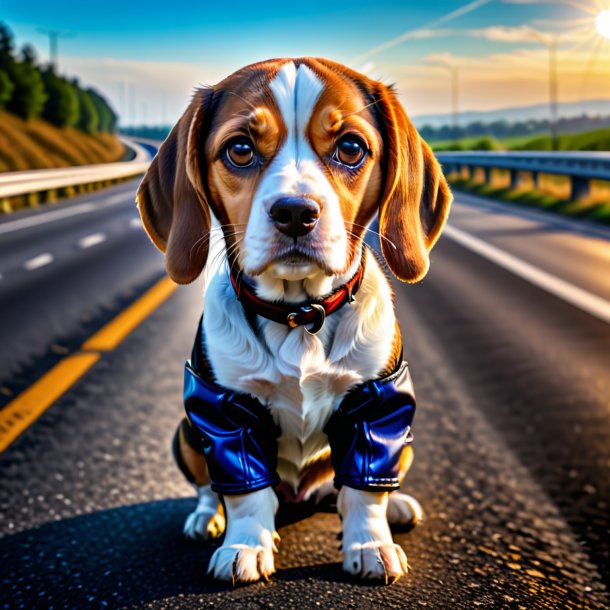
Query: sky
[{"x": 147, "y": 57}]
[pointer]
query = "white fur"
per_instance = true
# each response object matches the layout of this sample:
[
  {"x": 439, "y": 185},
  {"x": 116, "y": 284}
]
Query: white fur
[
  {"x": 206, "y": 522},
  {"x": 301, "y": 377},
  {"x": 247, "y": 551},
  {"x": 295, "y": 170},
  {"x": 368, "y": 548}
]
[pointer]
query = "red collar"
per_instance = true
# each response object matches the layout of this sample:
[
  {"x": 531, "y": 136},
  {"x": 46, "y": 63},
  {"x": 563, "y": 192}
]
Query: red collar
[{"x": 300, "y": 314}]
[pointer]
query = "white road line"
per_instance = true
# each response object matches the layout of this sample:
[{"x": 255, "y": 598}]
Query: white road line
[
  {"x": 578, "y": 297},
  {"x": 120, "y": 198},
  {"x": 91, "y": 240},
  {"x": 135, "y": 223},
  {"x": 51, "y": 216},
  {"x": 39, "y": 219},
  {"x": 39, "y": 261}
]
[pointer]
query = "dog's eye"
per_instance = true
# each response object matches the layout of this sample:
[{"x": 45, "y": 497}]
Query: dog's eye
[
  {"x": 350, "y": 151},
  {"x": 240, "y": 152}
]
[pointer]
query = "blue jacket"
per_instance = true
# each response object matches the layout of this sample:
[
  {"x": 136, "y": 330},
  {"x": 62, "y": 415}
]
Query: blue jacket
[{"x": 367, "y": 432}]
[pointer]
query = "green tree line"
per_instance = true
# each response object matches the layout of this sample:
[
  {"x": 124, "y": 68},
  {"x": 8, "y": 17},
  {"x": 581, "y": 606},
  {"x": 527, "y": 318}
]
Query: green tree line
[{"x": 30, "y": 90}]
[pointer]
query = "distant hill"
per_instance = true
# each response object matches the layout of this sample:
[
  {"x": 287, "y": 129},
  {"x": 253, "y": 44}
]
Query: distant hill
[
  {"x": 517, "y": 113},
  {"x": 36, "y": 144}
]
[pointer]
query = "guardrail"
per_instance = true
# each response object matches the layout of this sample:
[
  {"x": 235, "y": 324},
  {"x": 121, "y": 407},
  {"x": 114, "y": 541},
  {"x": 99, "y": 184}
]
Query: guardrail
[
  {"x": 580, "y": 167},
  {"x": 14, "y": 184}
]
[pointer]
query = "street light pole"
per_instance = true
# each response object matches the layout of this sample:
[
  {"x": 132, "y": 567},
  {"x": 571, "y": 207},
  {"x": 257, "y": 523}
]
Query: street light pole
[
  {"x": 455, "y": 73},
  {"x": 553, "y": 91}
]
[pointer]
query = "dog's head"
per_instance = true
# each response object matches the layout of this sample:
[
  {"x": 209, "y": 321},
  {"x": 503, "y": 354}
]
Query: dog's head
[{"x": 294, "y": 158}]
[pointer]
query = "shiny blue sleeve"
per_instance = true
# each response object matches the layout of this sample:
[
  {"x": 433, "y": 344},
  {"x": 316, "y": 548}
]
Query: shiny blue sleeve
[
  {"x": 239, "y": 436},
  {"x": 369, "y": 430}
]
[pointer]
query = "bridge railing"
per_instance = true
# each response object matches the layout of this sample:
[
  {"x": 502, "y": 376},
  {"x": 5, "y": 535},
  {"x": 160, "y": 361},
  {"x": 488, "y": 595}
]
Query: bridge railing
[{"x": 580, "y": 167}]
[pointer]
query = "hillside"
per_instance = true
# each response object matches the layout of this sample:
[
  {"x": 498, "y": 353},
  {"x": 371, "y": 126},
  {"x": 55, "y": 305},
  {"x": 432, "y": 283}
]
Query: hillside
[{"x": 36, "y": 144}]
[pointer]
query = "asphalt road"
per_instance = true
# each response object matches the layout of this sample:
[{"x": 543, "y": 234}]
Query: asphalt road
[
  {"x": 512, "y": 433},
  {"x": 62, "y": 278}
]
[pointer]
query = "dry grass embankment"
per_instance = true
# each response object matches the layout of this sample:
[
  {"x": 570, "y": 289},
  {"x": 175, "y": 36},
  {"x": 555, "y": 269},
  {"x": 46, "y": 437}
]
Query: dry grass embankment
[{"x": 36, "y": 144}]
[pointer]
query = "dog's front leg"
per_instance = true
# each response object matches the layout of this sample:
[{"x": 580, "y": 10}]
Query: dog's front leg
[
  {"x": 368, "y": 548},
  {"x": 246, "y": 554}
]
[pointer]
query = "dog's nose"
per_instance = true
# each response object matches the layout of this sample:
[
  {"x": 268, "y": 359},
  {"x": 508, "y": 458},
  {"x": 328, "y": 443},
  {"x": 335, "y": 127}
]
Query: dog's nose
[{"x": 295, "y": 216}]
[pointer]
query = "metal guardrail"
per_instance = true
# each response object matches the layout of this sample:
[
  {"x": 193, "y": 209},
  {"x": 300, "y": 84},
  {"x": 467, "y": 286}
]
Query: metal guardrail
[
  {"x": 580, "y": 167},
  {"x": 13, "y": 184}
]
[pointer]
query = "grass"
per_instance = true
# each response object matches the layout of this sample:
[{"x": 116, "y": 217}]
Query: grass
[
  {"x": 552, "y": 193},
  {"x": 36, "y": 144},
  {"x": 597, "y": 139}
]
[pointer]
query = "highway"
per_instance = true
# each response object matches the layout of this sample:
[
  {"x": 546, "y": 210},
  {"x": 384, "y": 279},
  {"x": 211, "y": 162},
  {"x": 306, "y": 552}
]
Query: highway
[{"x": 512, "y": 433}]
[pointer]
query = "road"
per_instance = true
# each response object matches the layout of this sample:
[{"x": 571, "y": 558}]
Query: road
[{"x": 512, "y": 431}]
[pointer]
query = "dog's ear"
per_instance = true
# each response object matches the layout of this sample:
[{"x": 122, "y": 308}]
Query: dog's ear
[
  {"x": 171, "y": 197},
  {"x": 415, "y": 200}
]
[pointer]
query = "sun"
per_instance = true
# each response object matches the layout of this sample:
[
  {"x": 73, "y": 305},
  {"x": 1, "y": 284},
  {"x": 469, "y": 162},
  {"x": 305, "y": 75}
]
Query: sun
[{"x": 602, "y": 23}]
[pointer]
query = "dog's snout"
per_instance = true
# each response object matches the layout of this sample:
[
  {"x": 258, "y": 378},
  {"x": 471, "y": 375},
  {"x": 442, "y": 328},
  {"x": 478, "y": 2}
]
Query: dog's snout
[{"x": 295, "y": 216}]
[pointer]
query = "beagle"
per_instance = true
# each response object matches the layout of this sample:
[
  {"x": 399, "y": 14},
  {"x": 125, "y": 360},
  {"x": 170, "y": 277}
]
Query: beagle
[{"x": 296, "y": 386}]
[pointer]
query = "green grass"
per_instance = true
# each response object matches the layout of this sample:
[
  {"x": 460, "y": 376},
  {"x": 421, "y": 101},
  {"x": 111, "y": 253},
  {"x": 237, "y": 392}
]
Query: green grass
[
  {"x": 597, "y": 139},
  {"x": 596, "y": 211}
]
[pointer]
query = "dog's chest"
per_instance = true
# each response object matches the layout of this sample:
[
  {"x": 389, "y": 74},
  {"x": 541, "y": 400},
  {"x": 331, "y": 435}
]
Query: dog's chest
[
  {"x": 301, "y": 377},
  {"x": 301, "y": 387}
]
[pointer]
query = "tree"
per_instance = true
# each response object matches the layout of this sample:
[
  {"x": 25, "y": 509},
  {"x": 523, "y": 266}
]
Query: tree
[
  {"x": 29, "y": 94},
  {"x": 28, "y": 55},
  {"x": 62, "y": 107},
  {"x": 6, "y": 88},
  {"x": 7, "y": 46},
  {"x": 107, "y": 116},
  {"x": 89, "y": 118}
]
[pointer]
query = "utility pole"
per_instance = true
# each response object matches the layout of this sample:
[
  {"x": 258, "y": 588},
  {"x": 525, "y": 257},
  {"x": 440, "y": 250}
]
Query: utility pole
[
  {"x": 54, "y": 36},
  {"x": 550, "y": 41}
]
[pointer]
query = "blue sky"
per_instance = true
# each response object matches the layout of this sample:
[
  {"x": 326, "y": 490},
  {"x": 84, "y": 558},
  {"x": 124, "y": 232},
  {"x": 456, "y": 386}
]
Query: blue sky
[{"x": 147, "y": 57}]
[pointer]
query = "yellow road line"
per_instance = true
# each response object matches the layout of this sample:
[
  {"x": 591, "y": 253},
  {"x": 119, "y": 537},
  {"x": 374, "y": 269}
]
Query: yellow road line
[
  {"x": 115, "y": 331},
  {"x": 21, "y": 412},
  {"x": 34, "y": 401}
]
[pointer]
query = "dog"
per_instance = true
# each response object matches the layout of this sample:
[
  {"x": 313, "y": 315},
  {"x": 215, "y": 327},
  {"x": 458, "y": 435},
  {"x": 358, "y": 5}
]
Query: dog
[{"x": 277, "y": 172}]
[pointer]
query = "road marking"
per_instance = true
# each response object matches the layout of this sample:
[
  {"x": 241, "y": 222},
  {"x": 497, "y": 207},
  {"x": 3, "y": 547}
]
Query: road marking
[
  {"x": 26, "y": 408},
  {"x": 33, "y": 402},
  {"x": 115, "y": 331},
  {"x": 53, "y": 215},
  {"x": 42, "y": 260},
  {"x": 135, "y": 223},
  {"x": 582, "y": 299},
  {"x": 32, "y": 221},
  {"x": 91, "y": 240}
]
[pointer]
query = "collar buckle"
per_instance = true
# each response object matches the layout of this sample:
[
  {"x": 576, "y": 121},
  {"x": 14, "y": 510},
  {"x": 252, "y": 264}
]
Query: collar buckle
[{"x": 321, "y": 317}]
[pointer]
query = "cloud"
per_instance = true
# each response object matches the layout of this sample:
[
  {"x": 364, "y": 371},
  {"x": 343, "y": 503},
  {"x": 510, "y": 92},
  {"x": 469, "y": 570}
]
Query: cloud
[
  {"x": 499, "y": 33},
  {"x": 417, "y": 33},
  {"x": 524, "y": 34}
]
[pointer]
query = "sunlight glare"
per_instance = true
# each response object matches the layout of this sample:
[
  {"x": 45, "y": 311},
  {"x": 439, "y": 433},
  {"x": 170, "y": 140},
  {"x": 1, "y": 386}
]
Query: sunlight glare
[{"x": 602, "y": 23}]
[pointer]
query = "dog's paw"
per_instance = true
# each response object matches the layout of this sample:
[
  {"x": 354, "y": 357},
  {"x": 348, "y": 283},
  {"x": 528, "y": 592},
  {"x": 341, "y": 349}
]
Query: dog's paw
[
  {"x": 239, "y": 563},
  {"x": 207, "y": 521},
  {"x": 383, "y": 561},
  {"x": 404, "y": 511},
  {"x": 246, "y": 554}
]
